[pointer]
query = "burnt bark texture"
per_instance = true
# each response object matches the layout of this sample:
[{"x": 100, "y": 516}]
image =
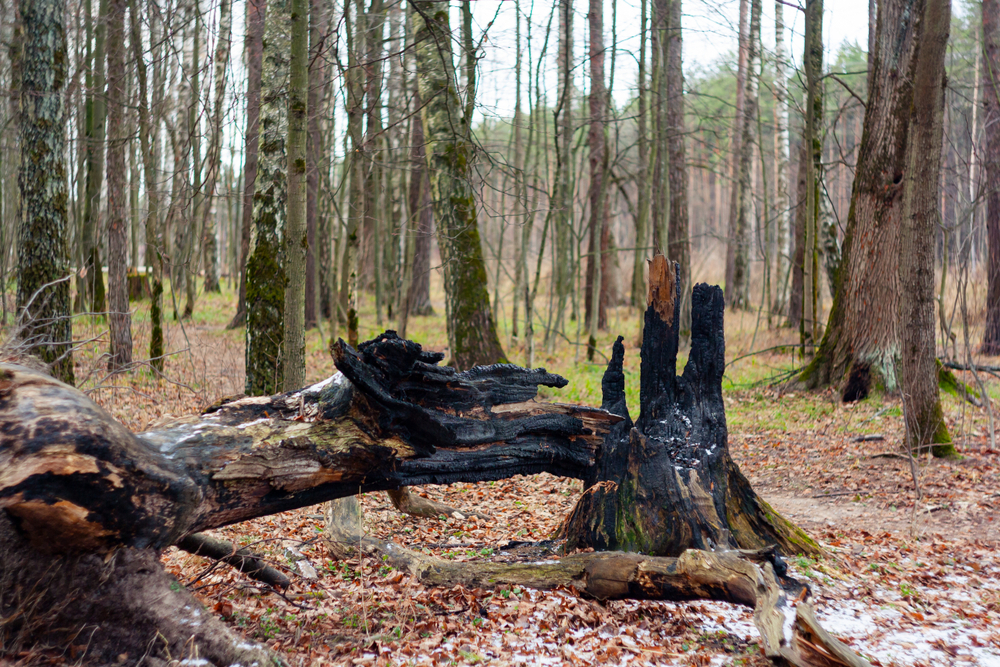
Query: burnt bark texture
[
  {"x": 991, "y": 165},
  {"x": 80, "y": 483},
  {"x": 667, "y": 483},
  {"x": 43, "y": 303},
  {"x": 472, "y": 334},
  {"x": 925, "y": 425},
  {"x": 860, "y": 349}
]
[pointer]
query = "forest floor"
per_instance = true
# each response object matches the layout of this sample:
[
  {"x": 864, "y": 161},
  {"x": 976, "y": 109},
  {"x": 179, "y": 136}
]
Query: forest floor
[{"x": 907, "y": 580}]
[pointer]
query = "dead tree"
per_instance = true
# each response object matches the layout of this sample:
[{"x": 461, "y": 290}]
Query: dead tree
[{"x": 88, "y": 505}]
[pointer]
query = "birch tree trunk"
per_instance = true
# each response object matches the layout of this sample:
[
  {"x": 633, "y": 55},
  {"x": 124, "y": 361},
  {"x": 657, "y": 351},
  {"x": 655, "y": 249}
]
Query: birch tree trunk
[
  {"x": 472, "y": 334},
  {"x": 213, "y": 159},
  {"x": 119, "y": 318},
  {"x": 783, "y": 250},
  {"x": 925, "y": 423},
  {"x": 295, "y": 238},
  {"x": 266, "y": 278},
  {"x": 991, "y": 167},
  {"x": 43, "y": 302}
]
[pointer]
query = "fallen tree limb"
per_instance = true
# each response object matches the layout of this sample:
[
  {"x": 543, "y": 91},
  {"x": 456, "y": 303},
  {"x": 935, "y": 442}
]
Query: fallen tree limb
[
  {"x": 750, "y": 578},
  {"x": 241, "y": 559}
]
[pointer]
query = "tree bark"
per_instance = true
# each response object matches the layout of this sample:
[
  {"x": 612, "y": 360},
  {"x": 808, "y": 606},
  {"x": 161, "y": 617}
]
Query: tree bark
[
  {"x": 421, "y": 227},
  {"x": 642, "y": 174},
  {"x": 472, "y": 334},
  {"x": 295, "y": 237},
  {"x": 782, "y": 206},
  {"x": 210, "y": 251},
  {"x": 667, "y": 483},
  {"x": 679, "y": 238},
  {"x": 861, "y": 345},
  {"x": 43, "y": 302},
  {"x": 97, "y": 116},
  {"x": 991, "y": 167},
  {"x": 317, "y": 286},
  {"x": 563, "y": 204},
  {"x": 660, "y": 168},
  {"x": 813, "y": 58},
  {"x": 119, "y": 318},
  {"x": 254, "y": 50},
  {"x": 735, "y": 143},
  {"x": 798, "y": 258},
  {"x": 597, "y": 139},
  {"x": 266, "y": 278},
  {"x": 925, "y": 425},
  {"x": 738, "y": 291},
  {"x": 150, "y": 153}
]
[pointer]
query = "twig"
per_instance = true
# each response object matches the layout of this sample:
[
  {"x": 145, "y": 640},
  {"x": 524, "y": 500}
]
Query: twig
[{"x": 868, "y": 438}]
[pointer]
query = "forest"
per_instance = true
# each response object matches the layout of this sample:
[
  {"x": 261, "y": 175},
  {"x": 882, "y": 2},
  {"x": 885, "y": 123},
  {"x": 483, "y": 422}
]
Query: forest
[{"x": 524, "y": 332}]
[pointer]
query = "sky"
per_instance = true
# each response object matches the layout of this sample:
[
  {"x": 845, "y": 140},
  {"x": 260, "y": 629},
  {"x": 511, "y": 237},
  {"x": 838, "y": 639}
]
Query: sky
[{"x": 710, "y": 30}]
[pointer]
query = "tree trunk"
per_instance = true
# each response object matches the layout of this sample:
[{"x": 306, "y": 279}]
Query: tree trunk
[
  {"x": 563, "y": 204},
  {"x": 861, "y": 346},
  {"x": 798, "y": 258},
  {"x": 43, "y": 303},
  {"x": 925, "y": 423},
  {"x": 738, "y": 292},
  {"x": 642, "y": 175},
  {"x": 668, "y": 484},
  {"x": 154, "y": 233},
  {"x": 660, "y": 168},
  {"x": 813, "y": 59},
  {"x": 472, "y": 335},
  {"x": 991, "y": 165},
  {"x": 679, "y": 238},
  {"x": 421, "y": 227},
  {"x": 190, "y": 229},
  {"x": 783, "y": 250},
  {"x": 97, "y": 115},
  {"x": 254, "y": 50},
  {"x": 736, "y": 134},
  {"x": 210, "y": 251},
  {"x": 266, "y": 278},
  {"x": 316, "y": 162},
  {"x": 295, "y": 237},
  {"x": 598, "y": 175},
  {"x": 119, "y": 318}
]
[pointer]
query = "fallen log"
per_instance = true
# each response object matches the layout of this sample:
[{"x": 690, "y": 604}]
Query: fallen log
[{"x": 88, "y": 504}]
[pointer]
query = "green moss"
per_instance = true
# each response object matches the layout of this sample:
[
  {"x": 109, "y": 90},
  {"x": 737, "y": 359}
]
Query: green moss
[{"x": 156, "y": 321}]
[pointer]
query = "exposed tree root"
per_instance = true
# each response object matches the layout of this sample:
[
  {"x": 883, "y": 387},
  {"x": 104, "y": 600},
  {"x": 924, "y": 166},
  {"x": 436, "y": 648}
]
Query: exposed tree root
[
  {"x": 412, "y": 504},
  {"x": 747, "y": 578},
  {"x": 120, "y": 608}
]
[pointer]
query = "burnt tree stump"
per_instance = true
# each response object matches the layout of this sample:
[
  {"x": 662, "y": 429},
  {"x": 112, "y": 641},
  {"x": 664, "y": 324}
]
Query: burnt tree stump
[{"x": 666, "y": 482}]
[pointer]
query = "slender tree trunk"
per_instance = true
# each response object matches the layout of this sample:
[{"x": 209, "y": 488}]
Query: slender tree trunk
[
  {"x": 148, "y": 146},
  {"x": 119, "y": 318},
  {"x": 253, "y": 48},
  {"x": 43, "y": 302},
  {"x": 295, "y": 237},
  {"x": 991, "y": 165},
  {"x": 660, "y": 193},
  {"x": 598, "y": 174},
  {"x": 95, "y": 168},
  {"x": 679, "y": 243},
  {"x": 374, "y": 155},
  {"x": 563, "y": 204},
  {"x": 472, "y": 334},
  {"x": 642, "y": 181},
  {"x": 210, "y": 251},
  {"x": 736, "y": 134},
  {"x": 421, "y": 209},
  {"x": 266, "y": 277},
  {"x": 316, "y": 161},
  {"x": 354, "y": 167},
  {"x": 190, "y": 256},
  {"x": 925, "y": 423},
  {"x": 783, "y": 250},
  {"x": 813, "y": 59},
  {"x": 524, "y": 243}
]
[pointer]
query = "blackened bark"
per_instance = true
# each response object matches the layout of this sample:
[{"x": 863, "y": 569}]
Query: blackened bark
[
  {"x": 667, "y": 483},
  {"x": 43, "y": 303}
]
